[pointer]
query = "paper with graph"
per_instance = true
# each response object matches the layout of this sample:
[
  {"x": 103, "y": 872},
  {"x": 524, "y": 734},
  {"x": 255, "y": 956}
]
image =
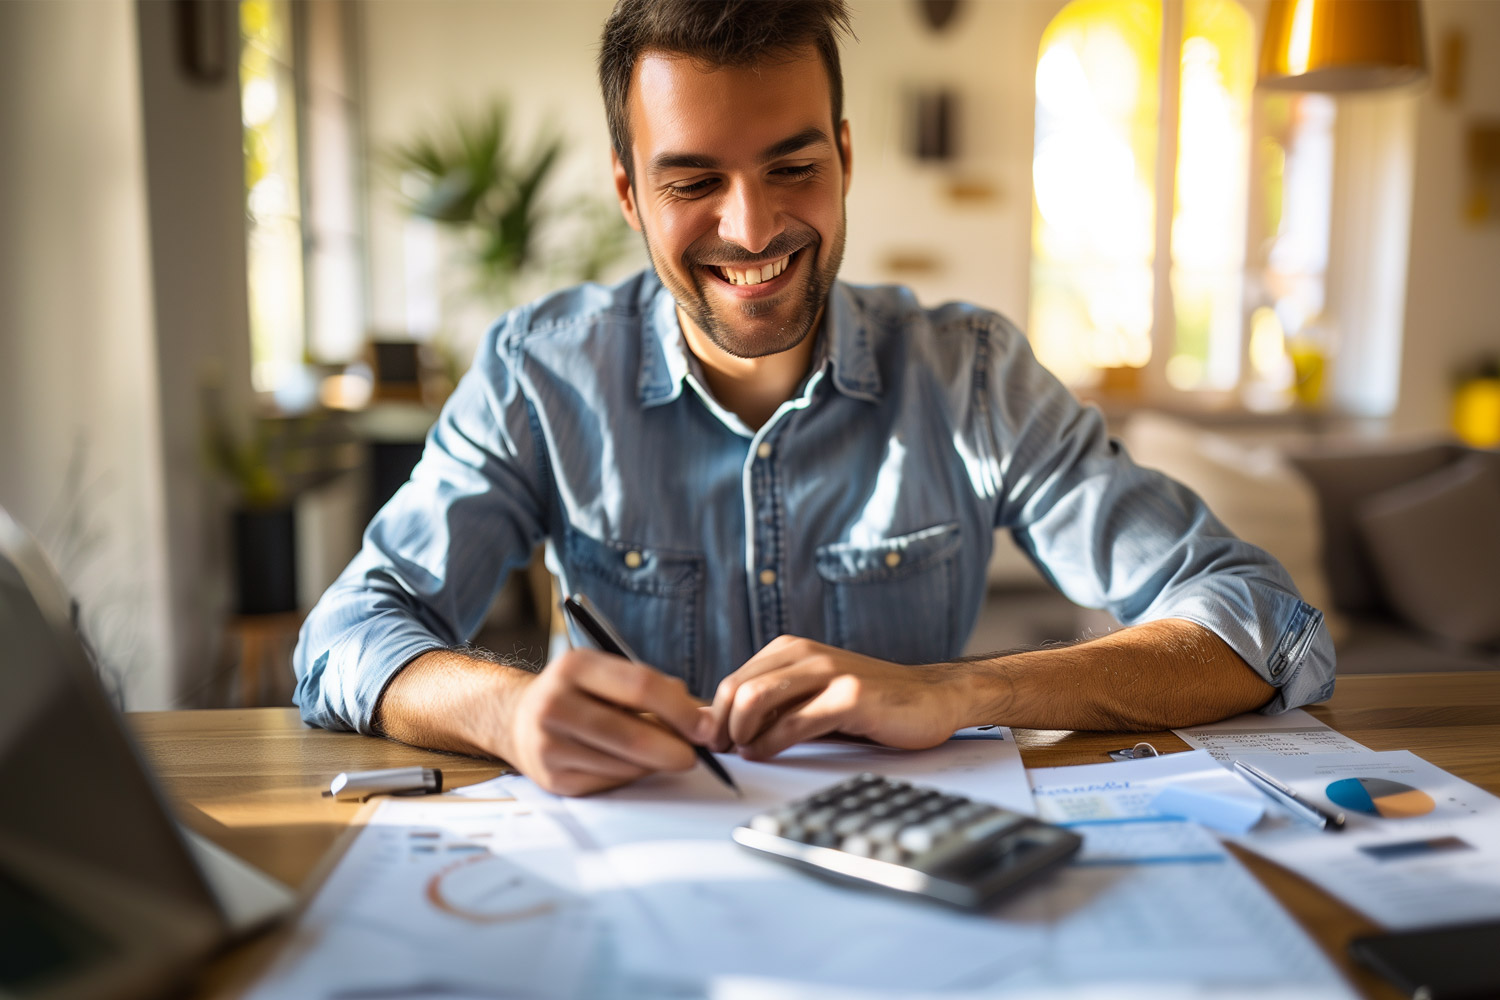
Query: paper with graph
[{"x": 1420, "y": 846}]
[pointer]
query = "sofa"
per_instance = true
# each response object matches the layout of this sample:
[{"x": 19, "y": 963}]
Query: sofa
[{"x": 1398, "y": 543}]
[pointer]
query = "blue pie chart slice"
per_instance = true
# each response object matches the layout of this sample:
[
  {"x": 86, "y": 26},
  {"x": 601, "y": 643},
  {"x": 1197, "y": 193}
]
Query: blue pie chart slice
[{"x": 1380, "y": 797}]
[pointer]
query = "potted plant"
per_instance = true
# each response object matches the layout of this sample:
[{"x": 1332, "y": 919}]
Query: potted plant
[
  {"x": 471, "y": 180},
  {"x": 263, "y": 523}
]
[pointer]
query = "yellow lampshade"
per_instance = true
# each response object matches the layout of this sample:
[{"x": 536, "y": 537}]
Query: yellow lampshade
[{"x": 1342, "y": 45}]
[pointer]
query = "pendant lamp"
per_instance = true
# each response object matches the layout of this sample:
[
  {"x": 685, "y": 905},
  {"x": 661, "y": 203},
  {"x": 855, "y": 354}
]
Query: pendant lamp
[{"x": 1340, "y": 46}]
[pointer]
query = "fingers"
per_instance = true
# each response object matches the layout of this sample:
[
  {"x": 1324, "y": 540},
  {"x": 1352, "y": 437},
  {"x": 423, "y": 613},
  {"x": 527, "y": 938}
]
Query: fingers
[
  {"x": 828, "y": 712},
  {"x": 777, "y": 654},
  {"x": 633, "y": 686},
  {"x": 568, "y": 756},
  {"x": 761, "y": 701},
  {"x": 623, "y": 735}
]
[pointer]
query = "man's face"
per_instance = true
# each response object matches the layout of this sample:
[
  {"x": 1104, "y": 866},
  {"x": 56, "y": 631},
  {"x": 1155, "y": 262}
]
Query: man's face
[{"x": 739, "y": 193}]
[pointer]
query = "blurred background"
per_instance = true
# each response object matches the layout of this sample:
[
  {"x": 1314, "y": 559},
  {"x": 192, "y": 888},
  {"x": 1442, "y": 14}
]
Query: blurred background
[{"x": 247, "y": 248}]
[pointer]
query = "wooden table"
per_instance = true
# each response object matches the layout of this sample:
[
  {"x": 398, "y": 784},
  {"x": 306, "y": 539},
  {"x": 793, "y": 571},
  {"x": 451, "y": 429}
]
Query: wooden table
[{"x": 250, "y": 779}]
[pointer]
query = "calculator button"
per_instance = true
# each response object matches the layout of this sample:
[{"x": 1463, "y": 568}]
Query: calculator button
[
  {"x": 917, "y": 839},
  {"x": 849, "y": 823},
  {"x": 817, "y": 820},
  {"x": 858, "y": 844}
]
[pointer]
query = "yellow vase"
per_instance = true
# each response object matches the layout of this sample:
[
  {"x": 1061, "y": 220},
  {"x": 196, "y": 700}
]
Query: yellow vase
[{"x": 1476, "y": 412}]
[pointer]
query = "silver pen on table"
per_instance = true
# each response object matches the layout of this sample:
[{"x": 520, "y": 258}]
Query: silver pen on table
[{"x": 1329, "y": 822}]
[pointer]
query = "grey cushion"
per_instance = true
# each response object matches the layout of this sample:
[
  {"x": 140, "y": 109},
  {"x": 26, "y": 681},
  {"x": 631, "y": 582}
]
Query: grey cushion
[
  {"x": 1435, "y": 543},
  {"x": 1343, "y": 480}
]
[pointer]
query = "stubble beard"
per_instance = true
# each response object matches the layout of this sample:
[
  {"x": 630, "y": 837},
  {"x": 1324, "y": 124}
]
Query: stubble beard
[{"x": 720, "y": 329}]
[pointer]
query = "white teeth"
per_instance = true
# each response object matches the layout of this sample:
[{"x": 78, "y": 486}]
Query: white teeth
[{"x": 755, "y": 276}]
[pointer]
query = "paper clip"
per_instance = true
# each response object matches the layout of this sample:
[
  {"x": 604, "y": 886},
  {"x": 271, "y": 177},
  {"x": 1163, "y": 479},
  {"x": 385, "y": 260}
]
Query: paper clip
[{"x": 1134, "y": 753}]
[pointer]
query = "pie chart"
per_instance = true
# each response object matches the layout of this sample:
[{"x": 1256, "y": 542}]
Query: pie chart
[{"x": 1380, "y": 797}]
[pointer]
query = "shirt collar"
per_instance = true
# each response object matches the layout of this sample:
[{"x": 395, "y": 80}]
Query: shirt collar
[{"x": 847, "y": 350}]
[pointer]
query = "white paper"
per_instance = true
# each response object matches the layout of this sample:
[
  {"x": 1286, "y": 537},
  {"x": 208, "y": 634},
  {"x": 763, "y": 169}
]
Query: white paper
[
  {"x": 1126, "y": 789},
  {"x": 1118, "y": 932},
  {"x": 686, "y": 904},
  {"x": 694, "y": 804},
  {"x": 1439, "y": 866},
  {"x": 1146, "y": 841},
  {"x": 688, "y": 909},
  {"x": 1291, "y": 734},
  {"x": 583, "y": 910},
  {"x": 450, "y": 898}
]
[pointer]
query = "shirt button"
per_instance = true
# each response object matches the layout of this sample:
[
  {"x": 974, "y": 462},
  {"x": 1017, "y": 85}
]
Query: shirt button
[
  {"x": 893, "y": 559},
  {"x": 764, "y": 451},
  {"x": 633, "y": 559},
  {"x": 768, "y": 576}
]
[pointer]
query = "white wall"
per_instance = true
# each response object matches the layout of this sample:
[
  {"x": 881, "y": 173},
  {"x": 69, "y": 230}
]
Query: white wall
[
  {"x": 424, "y": 63},
  {"x": 80, "y": 462},
  {"x": 195, "y": 192},
  {"x": 1453, "y": 293}
]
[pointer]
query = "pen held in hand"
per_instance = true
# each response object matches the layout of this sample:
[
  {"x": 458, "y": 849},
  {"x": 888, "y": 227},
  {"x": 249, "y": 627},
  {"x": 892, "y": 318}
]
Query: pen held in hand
[
  {"x": 1329, "y": 822},
  {"x": 602, "y": 636}
]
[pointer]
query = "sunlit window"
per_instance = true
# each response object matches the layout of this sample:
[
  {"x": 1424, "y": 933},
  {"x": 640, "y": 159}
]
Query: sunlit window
[
  {"x": 1093, "y": 172},
  {"x": 1217, "y": 74},
  {"x": 272, "y": 193},
  {"x": 1289, "y": 341},
  {"x": 1128, "y": 275}
]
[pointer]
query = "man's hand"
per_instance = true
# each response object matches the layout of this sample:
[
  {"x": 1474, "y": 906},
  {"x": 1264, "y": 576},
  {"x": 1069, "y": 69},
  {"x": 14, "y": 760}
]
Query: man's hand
[
  {"x": 575, "y": 728},
  {"x": 797, "y": 689},
  {"x": 1158, "y": 675}
]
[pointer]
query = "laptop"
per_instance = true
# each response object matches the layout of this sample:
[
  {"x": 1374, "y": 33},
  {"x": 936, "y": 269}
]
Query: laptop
[{"x": 102, "y": 893}]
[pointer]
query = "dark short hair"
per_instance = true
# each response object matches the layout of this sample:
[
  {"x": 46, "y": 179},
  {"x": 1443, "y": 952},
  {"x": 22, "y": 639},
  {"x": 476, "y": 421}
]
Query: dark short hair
[{"x": 716, "y": 33}]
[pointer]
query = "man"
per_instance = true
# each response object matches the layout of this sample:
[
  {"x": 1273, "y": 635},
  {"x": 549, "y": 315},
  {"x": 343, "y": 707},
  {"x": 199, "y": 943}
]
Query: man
[{"x": 783, "y": 490}]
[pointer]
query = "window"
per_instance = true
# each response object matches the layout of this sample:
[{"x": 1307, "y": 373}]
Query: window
[
  {"x": 305, "y": 240},
  {"x": 1148, "y": 258},
  {"x": 273, "y": 199}
]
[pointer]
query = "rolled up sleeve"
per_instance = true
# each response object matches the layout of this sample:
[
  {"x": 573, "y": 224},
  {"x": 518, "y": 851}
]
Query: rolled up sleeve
[
  {"x": 1113, "y": 535},
  {"x": 433, "y": 558}
]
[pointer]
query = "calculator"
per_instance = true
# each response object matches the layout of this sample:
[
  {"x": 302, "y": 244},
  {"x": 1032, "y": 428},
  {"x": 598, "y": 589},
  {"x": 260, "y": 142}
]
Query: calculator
[{"x": 910, "y": 839}]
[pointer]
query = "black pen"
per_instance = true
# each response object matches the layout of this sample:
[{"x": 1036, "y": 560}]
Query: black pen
[
  {"x": 1299, "y": 807},
  {"x": 597, "y": 629}
]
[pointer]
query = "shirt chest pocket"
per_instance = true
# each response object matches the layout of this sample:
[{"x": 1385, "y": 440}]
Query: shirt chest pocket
[
  {"x": 653, "y": 597},
  {"x": 894, "y": 599}
]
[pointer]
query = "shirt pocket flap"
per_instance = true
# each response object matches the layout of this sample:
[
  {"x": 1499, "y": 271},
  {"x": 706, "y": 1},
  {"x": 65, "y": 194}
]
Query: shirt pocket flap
[
  {"x": 643, "y": 569},
  {"x": 890, "y": 559}
]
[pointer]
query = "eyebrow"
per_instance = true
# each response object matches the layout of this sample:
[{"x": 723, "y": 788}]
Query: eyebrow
[{"x": 807, "y": 138}]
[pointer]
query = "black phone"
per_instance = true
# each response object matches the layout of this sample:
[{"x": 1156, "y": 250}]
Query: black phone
[{"x": 1457, "y": 962}]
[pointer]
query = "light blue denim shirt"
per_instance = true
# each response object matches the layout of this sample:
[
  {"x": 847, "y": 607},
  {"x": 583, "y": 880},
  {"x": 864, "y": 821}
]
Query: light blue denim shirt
[{"x": 862, "y": 514}]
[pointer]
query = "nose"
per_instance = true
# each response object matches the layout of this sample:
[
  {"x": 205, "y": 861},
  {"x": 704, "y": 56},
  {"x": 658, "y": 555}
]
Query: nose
[{"x": 748, "y": 217}]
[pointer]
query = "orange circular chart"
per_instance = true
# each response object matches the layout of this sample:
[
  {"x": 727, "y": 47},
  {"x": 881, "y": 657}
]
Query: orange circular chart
[{"x": 1380, "y": 797}]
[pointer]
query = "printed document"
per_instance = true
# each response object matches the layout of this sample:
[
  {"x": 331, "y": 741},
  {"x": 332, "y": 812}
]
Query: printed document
[
  {"x": 1128, "y": 789},
  {"x": 1152, "y": 905},
  {"x": 1290, "y": 733},
  {"x": 445, "y": 897},
  {"x": 1420, "y": 846}
]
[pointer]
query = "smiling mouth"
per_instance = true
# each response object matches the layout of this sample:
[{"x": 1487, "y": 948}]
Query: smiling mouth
[{"x": 751, "y": 275}]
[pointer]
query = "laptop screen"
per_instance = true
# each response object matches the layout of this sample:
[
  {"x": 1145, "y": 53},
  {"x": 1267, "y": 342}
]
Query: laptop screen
[{"x": 87, "y": 846}]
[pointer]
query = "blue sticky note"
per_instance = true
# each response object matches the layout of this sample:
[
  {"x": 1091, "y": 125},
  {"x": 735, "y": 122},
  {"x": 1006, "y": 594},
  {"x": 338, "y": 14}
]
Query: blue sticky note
[{"x": 1221, "y": 812}]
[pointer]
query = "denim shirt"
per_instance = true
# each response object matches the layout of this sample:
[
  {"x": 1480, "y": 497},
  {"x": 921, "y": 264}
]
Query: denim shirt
[{"x": 862, "y": 514}]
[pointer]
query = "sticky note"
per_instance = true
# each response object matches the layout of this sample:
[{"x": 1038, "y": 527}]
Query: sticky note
[{"x": 1221, "y": 812}]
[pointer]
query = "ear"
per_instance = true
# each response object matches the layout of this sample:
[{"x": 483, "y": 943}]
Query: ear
[
  {"x": 624, "y": 191},
  {"x": 846, "y": 153}
]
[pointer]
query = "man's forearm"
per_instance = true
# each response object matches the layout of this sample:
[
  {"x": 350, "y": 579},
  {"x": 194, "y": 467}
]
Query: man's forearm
[
  {"x": 1158, "y": 675},
  {"x": 448, "y": 701}
]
